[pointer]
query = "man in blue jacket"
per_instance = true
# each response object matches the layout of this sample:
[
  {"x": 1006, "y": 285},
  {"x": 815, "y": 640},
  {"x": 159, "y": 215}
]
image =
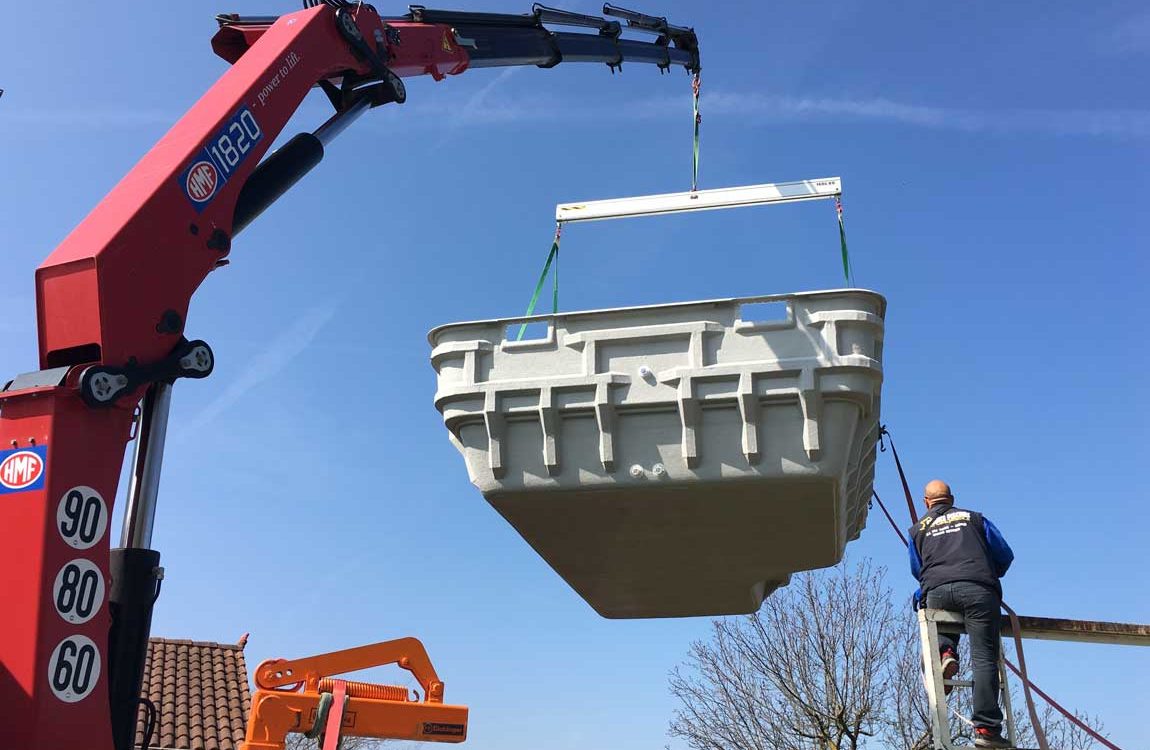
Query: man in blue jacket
[{"x": 958, "y": 556}]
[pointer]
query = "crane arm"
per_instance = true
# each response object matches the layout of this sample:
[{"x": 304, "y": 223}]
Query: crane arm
[
  {"x": 198, "y": 186},
  {"x": 112, "y": 308},
  {"x": 501, "y": 40},
  {"x": 407, "y": 653}
]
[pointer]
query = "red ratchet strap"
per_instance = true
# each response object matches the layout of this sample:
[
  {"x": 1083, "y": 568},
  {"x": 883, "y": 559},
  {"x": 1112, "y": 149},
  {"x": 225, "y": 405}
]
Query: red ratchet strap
[
  {"x": 1074, "y": 719},
  {"x": 1027, "y": 685},
  {"x": 331, "y": 733},
  {"x": 1016, "y": 628}
]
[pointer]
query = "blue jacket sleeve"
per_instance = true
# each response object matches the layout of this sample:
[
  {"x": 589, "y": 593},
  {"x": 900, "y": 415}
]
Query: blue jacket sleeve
[
  {"x": 915, "y": 570},
  {"x": 1000, "y": 553}
]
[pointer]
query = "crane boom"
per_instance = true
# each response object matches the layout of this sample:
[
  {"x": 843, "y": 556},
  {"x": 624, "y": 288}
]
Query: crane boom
[{"x": 112, "y": 309}]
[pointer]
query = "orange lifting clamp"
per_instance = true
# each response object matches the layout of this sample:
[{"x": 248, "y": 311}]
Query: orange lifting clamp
[{"x": 300, "y": 695}]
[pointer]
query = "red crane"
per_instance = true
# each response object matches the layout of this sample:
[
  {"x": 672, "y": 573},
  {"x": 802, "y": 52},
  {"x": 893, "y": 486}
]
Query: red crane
[{"x": 112, "y": 306}]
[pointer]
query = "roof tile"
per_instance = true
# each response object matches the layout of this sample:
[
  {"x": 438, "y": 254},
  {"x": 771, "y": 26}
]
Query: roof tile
[{"x": 201, "y": 693}]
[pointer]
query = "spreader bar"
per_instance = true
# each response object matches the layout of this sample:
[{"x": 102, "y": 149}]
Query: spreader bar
[{"x": 702, "y": 200}]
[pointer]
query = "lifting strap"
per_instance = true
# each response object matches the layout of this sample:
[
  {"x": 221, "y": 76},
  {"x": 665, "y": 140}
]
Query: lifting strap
[
  {"x": 552, "y": 262},
  {"x": 696, "y": 84},
  {"x": 553, "y": 256},
  {"x": 1073, "y": 719},
  {"x": 848, "y": 273},
  {"x": 1039, "y": 735}
]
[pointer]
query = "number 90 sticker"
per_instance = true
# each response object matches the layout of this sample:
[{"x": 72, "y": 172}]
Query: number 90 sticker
[
  {"x": 82, "y": 517},
  {"x": 79, "y": 591},
  {"x": 74, "y": 668}
]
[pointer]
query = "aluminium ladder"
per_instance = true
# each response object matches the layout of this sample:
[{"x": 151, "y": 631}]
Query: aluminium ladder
[{"x": 931, "y": 623}]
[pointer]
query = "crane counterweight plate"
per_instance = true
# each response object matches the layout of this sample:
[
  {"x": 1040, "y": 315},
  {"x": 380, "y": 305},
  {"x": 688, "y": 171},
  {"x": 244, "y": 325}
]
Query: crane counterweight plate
[{"x": 674, "y": 460}]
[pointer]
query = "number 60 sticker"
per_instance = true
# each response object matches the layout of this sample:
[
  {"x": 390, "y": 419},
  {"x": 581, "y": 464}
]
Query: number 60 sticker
[
  {"x": 81, "y": 517},
  {"x": 74, "y": 668}
]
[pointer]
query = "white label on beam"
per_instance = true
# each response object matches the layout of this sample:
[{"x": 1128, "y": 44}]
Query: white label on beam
[{"x": 702, "y": 200}]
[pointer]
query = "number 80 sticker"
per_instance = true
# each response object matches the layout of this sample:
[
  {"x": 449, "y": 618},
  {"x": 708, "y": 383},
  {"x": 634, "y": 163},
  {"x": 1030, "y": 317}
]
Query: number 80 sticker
[
  {"x": 82, "y": 517},
  {"x": 78, "y": 592}
]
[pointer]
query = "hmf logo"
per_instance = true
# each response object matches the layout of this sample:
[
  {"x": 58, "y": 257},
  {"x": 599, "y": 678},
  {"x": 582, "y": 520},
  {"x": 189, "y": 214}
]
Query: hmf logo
[
  {"x": 202, "y": 181},
  {"x": 21, "y": 469}
]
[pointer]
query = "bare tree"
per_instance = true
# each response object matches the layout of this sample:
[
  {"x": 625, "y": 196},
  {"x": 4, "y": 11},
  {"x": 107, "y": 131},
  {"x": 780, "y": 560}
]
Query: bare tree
[
  {"x": 1061, "y": 733},
  {"x": 827, "y": 663},
  {"x": 299, "y": 742},
  {"x": 907, "y": 725},
  {"x": 810, "y": 671}
]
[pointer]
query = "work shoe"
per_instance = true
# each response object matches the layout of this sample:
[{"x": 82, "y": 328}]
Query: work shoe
[
  {"x": 984, "y": 737},
  {"x": 949, "y": 670}
]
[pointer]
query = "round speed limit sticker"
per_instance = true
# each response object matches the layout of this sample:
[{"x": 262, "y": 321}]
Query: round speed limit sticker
[
  {"x": 78, "y": 592},
  {"x": 82, "y": 517},
  {"x": 74, "y": 668}
]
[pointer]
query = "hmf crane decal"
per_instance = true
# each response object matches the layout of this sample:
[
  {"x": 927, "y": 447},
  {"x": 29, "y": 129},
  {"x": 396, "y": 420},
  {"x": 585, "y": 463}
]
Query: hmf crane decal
[
  {"x": 22, "y": 469},
  {"x": 224, "y": 153}
]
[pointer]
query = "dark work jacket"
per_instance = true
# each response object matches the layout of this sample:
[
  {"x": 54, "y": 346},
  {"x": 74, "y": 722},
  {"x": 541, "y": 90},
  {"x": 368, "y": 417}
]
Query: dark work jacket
[{"x": 952, "y": 544}]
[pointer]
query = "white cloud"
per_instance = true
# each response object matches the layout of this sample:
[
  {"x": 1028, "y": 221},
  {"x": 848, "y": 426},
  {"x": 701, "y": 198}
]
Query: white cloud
[
  {"x": 487, "y": 108},
  {"x": 271, "y": 360},
  {"x": 479, "y": 106},
  {"x": 1102, "y": 122},
  {"x": 492, "y": 105}
]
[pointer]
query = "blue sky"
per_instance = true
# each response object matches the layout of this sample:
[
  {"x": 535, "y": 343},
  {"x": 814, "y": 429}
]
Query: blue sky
[{"x": 994, "y": 162}]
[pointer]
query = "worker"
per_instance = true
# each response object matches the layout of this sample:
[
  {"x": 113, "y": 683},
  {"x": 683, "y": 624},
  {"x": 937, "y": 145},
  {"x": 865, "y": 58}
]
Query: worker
[{"x": 958, "y": 557}]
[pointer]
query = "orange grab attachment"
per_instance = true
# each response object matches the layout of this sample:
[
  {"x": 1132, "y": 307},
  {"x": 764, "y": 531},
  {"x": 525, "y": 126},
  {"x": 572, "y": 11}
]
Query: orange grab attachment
[{"x": 289, "y": 693}]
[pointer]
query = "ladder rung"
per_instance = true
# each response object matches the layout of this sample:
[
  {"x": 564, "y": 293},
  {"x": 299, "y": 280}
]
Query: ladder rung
[{"x": 959, "y": 683}]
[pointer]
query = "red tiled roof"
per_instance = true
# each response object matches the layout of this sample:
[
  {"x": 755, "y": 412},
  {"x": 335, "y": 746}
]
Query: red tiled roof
[{"x": 201, "y": 694}]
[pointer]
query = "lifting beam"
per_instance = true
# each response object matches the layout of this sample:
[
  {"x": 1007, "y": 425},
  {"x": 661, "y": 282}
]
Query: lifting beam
[{"x": 699, "y": 200}]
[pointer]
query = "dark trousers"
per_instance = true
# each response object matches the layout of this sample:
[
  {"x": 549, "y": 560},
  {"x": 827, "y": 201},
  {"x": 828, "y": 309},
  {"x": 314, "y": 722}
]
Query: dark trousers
[{"x": 980, "y": 607}]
